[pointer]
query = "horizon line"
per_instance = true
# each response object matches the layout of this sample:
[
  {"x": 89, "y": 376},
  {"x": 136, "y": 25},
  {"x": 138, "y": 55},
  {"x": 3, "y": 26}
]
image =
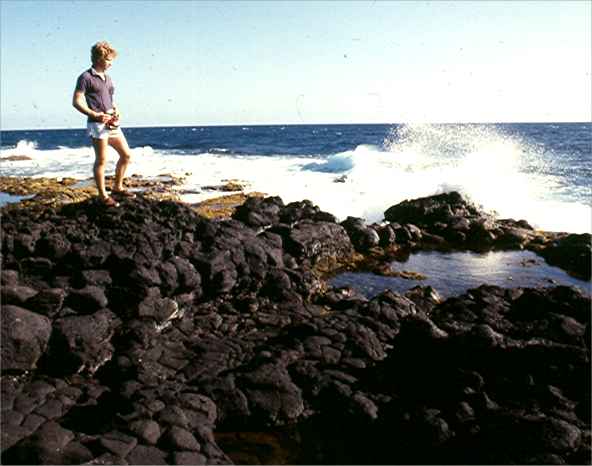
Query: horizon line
[{"x": 306, "y": 124}]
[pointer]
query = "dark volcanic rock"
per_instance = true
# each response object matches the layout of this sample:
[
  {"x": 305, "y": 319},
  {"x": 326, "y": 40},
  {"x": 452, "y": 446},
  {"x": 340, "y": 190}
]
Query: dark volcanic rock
[
  {"x": 317, "y": 242},
  {"x": 447, "y": 217},
  {"x": 259, "y": 212},
  {"x": 53, "y": 246},
  {"x": 48, "y": 302},
  {"x": 150, "y": 335},
  {"x": 37, "y": 267},
  {"x": 449, "y": 221},
  {"x": 17, "y": 295},
  {"x": 147, "y": 430},
  {"x": 217, "y": 270},
  {"x": 473, "y": 376},
  {"x": 448, "y": 208},
  {"x": 46, "y": 446},
  {"x": 82, "y": 342},
  {"x": 147, "y": 455},
  {"x": 24, "y": 338},
  {"x": 304, "y": 210},
  {"x": 87, "y": 300},
  {"x": 386, "y": 236},
  {"x": 573, "y": 253},
  {"x": 271, "y": 394},
  {"x": 188, "y": 278},
  {"x": 363, "y": 237},
  {"x": 9, "y": 277}
]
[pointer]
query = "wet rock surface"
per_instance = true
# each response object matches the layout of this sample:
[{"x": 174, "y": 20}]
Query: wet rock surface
[
  {"x": 148, "y": 334},
  {"x": 43, "y": 192},
  {"x": 449, "y": 221},
  {"x": 570, "y": 252}
]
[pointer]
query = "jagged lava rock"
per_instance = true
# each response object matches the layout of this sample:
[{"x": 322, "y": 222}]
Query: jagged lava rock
[
  {"x": 450, "y": 221},
  {"x": 25, "y": 335},
  {"x": 572, "y": 252},
  {"x": 447, "y": 215},
  {"x": 149, "y": 332}
]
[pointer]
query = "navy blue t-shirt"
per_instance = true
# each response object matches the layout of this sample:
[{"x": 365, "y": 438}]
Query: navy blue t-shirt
[{"x": 98, "y": 93}]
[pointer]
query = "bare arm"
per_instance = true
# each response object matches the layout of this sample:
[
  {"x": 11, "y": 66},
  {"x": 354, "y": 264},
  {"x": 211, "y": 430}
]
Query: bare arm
[{"x": 79, "y": 103}]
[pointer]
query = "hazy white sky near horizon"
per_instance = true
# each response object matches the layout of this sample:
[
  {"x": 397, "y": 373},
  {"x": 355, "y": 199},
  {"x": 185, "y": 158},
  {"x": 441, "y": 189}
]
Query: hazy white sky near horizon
[{"x": 262, "y": 62}]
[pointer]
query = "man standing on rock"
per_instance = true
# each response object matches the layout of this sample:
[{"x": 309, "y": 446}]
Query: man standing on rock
[{"x": 93, "y": 96}]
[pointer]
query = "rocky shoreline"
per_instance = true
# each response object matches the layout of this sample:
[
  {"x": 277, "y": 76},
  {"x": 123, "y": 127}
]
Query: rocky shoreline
[{"x": 150, "y": 334}]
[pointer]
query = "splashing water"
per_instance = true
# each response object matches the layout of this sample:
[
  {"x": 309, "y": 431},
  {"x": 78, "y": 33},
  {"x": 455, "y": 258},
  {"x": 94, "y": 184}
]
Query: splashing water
[
  {"x": 422, "y": 160},
  {"x": 497, "y": 169},
  {"x": 25, "y": 147},
  {"x": 500, "y": 172}
]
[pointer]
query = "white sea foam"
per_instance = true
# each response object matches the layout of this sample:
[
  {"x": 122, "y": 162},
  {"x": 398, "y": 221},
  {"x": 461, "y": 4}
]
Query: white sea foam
[
  {"x": 23, "y": 147},
  {"x": 498, "y": 172}
]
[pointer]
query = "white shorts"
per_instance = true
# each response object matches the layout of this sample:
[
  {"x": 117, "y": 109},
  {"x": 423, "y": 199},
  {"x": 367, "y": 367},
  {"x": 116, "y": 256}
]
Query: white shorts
[{"x": 100, "y": 131}]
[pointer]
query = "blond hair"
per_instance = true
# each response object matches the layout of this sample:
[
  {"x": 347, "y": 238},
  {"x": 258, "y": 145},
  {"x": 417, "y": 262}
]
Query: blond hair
[{"x": 102, "y": 50}]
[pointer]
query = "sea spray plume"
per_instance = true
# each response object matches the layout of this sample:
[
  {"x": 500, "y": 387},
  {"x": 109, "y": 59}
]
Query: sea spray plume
[
  {"x": 421, "y": 160},
  {"x": 446, "y": 142},
  {"x": 497, "y": 169},
  {"x": 23, "y": 147}
]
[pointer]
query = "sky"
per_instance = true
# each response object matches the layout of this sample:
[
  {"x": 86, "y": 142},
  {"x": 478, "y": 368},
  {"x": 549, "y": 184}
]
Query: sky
[{"x": 300, "y": 62}]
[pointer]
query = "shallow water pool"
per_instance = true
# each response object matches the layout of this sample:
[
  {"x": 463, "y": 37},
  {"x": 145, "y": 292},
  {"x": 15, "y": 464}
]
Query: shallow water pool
[
  {"x": 451, "y": 274},
  {"x": 6, "y": 198}
]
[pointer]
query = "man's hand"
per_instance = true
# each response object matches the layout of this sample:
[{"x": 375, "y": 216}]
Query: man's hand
[{"x": 101, "y": 117}]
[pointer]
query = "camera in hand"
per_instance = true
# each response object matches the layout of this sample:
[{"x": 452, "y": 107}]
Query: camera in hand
[{"x": 113, "y": 122}]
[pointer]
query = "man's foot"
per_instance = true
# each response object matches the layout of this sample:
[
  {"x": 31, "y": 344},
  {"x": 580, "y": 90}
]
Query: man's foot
[
  {"x": 123, "y": 193},
  {"x": 109, "y": 202}
]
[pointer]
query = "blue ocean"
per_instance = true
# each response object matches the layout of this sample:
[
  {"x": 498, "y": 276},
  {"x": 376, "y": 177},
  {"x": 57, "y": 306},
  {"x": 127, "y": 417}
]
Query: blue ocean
[{"x": 539, "y": 172}]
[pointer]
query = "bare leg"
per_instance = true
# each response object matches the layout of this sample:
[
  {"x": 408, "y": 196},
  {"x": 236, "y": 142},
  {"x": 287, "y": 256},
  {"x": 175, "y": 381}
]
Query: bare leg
[
  {"x": 100, "y": 146},
  {"x": 120, "y": 145}
]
